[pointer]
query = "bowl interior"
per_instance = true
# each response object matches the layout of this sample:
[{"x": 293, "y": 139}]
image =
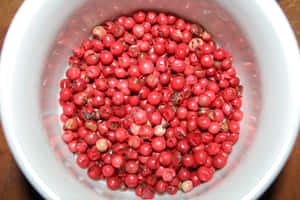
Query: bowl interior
[{"x": 47, "y": 40}]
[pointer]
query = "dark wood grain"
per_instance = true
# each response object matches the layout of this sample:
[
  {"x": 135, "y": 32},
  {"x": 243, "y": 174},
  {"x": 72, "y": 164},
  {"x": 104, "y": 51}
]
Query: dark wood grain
[{"x": 14, "y": 186}]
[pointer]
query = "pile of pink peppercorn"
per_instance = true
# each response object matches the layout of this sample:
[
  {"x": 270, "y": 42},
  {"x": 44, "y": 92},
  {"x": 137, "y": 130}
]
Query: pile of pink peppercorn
[{"x": 151, "y": 103}]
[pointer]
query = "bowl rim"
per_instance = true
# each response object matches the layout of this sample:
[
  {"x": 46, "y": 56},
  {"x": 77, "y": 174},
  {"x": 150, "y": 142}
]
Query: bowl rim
[{"x": 272, "y": 11}]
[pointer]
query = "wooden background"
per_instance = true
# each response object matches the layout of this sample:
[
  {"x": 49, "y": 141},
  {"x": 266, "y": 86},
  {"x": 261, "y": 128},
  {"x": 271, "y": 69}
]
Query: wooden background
[{"x": 14, "y": 186}]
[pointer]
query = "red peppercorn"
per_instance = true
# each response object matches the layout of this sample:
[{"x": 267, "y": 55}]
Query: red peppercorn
[
  {"x": 186, "y": 36},
  {"x": 145, "y": 149},
  {"x": 131, "y": 167},
  {"x": 117, "y": 48},
  {"x": 146, "y": 67},
  {"x": 177, "y": 83},
  {"x": 69, "y": 109},
  {"x": 106, "y": 158},
  {"x": 227, "y": 108},
  {"x": 108, "y": 40},
  {"x": 236, "y": 103},
  {"x": 152, "y": 163},
  {"x": 65, "y": 94},
  {"x": 168, "y": 174},
  {"x": 204, "y": 174},
  {"x": 227, "y": 146},
  {"x": 178, "y": 66},
  {"x": 195, "y": 179},
  {"x": 138, "y": 30},
  {"x": 118, "y": 29},
  {"x": 219, "y": 162},
  {"x": 207, "y": 61},
  {"x": 183, "y": 146},
  {"x": 171, "y": 142},
  {"x": 172, "y": 189},
  {"x": 73, "y": 73},
  {"x": 151, "y": 17},
  {"x": 148, "y": 192},
  {"x": 98, "y": 45},
  {"x": 117, "y": 161},
  {"x": 161, "y": 186},
  {"x": 139, "y": 17},
  {"x": 72, "y": 146},
  {"x": 154, "y": 98},
  {"x": 118, "y": 98},
  {"x": 78, "y": 51},
  {"x": 146, "y": 132},
  {"x": 181, "y": 112},
  {"x": 106, "y": 57},
  {"x": 200, "y": 157},
  {"x": 204, "y": 100},
  {"x": 99, "y": 32},
  {"x": 214, "y": 127},
  {"x": 119, "y": 148},
  {"x": 94, "y": 172},
  {"x": 203, "y": 122},
  {"x": 82, "y": 160},
  {"x": 65, "y": 83},
  {"x": 219, "y": 54},
  {"x": 180, "y": 24},
  {"x": 222, "y": 154},
  {"x": 93, "y": 153},
  {"x": 134, "y": 142},
  {"x": 87, "y": 44},
  {"x": 121, "y": 134},
  {"x": 113, "y": 183},
  {"x": 140, "y": 117},
  {"x": 212, "y": 148},
  {"x": 184, "y": 174},
  {"x": 206, "y": 137},
  {"x": 158, "y": 144},
  {"x": 139, "y": 190},
  {"x": 131, "y": 180},
  {"x": 171, "y": 19},
  {"x": 67, "y": 136},
  {"x": 165, "y": 158},
  {"x": 192, "y": 105},
  {"x": 234, "y": 126},
  {"x": 108, "y": 170},
  {"x": 81, "y": 146},
  {"x": 237, "y": 115},
  {"x": 229, "y": 94},
  {"x": 188, "y": 160}
]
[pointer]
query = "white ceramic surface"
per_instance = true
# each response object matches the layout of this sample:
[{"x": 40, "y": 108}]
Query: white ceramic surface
[{"x": 35, "y": 54}]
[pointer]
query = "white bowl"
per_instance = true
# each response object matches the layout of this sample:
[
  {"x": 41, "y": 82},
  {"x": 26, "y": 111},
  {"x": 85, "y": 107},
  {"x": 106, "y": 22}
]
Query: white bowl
[{"x": 35, "y": 55}]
